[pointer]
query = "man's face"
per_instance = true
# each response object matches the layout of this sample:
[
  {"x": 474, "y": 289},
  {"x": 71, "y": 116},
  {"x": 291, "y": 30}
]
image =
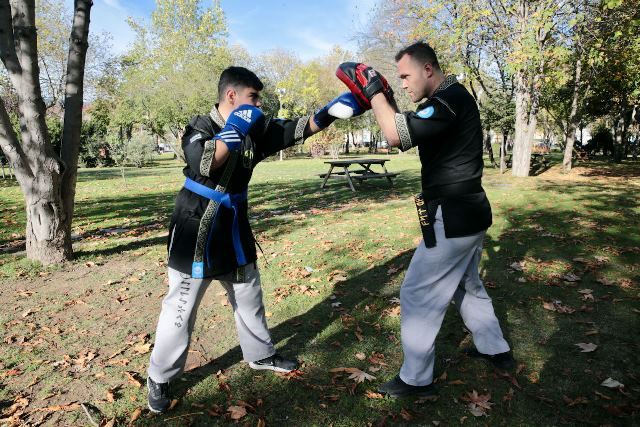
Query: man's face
[
  {"x": 415, "y": 77},
  {"x": 244, "y": 95}
]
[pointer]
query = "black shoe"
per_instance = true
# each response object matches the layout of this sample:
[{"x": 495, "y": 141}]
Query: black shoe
[
  {"x": 504, "y": 361},
  {"x": 158, "y": 396},
  {"x": 275, "y": 363},
  {"x": 398, "y": 388}
]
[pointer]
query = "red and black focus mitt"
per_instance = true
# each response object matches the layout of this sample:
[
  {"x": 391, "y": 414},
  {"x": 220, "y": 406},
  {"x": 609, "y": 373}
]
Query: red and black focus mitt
[{"x": 363, "y": 82}]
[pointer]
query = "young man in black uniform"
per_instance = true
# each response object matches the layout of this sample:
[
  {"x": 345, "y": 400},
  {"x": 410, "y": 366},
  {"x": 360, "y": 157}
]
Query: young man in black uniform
[
  {"x": 209, "y": 235},
  {"x": 453, "y": 210}
]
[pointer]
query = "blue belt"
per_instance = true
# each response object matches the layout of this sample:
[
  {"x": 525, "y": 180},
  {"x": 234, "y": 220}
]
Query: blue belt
[{"x": 227, "y": 200}]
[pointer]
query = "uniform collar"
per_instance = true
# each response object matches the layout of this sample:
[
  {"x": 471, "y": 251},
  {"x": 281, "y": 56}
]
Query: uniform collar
[
  {"x": 216, "y": 117},
  {"x": 448, "y": 81}
]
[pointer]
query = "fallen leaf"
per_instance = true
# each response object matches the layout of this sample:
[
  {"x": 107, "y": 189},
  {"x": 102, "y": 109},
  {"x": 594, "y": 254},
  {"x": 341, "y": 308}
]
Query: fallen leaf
[
  {"x": 361, "y": 376},
  {"x": 479, "y": 404},
  {"x": 373, "y": 395},
  {"x": 611, "y": 383},
  {"x": 406, "y": 415},
  {"x": 518, "y": 266},
  {"x": 173, "y": 404},
  {"x": 586, "y": 347},
  {"x": 360, "y": 356},
  {"x": 237, "y": 412},
  {"x": 131, "y": 377},
  {"x": 55, "y": 408},
  {"x": 11, "y": 373},
  {"x": 570, "y": 277},
  {"x": 135, "y": 415},
  {"x": 142, "y": 348}
]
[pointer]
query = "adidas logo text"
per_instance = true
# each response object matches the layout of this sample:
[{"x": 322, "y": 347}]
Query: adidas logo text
[{"x": 244, "y": 115}]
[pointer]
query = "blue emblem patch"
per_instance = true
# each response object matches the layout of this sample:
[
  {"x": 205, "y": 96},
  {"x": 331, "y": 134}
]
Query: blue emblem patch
[{"x": 427, "y": 112}]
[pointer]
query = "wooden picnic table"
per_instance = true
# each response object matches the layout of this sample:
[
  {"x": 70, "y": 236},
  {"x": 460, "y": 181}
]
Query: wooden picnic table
[{"x": 342, "y": 169}]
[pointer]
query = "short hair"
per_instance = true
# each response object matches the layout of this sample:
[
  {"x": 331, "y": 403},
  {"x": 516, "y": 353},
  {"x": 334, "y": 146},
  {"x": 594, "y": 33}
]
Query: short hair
[
  {"x": 421, "y": 52},
  {"x": 237, "y": 76}
]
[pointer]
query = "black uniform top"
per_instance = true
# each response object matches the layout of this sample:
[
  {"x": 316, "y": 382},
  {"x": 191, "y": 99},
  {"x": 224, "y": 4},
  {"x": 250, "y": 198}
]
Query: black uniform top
[
  {"x": 191, "y": 223},
  {"x": 448, "y": 133}
]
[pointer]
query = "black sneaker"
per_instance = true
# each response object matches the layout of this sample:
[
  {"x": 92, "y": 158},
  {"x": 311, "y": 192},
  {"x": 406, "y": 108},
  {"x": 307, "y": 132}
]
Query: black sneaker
[
  {"x": 158, "y": 396},
  {"x": 398, "y": 388},
  {"x": 275, "y": 363},
  {"x": 503, "y": 361}
]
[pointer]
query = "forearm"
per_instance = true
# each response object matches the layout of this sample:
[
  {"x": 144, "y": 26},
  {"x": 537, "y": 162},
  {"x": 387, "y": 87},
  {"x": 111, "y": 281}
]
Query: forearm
[
  {"x": 311, "y": 128},
  {"x": 385, "y": 114}
]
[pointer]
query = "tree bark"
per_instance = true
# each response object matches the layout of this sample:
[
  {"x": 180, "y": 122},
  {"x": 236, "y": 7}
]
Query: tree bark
[
  {"x": 74, "y": 91},
  {"x": 503, "y": 153},
  {"x": 38, "y": 169},
  {"x": 573, "y": 118},
  {"x": 521, "y": 160},
  {"x": 489, "y": 148}
]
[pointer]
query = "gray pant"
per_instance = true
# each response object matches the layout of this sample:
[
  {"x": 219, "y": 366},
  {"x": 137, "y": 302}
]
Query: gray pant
[
  {"x": 434, "y": 277},
  {"x": 178, "y": 317}
]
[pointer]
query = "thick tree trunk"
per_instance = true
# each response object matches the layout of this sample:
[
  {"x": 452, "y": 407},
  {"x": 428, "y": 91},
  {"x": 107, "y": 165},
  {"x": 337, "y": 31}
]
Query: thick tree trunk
[
  {"x": 521, "y": 159},
  {"x": 38, "y": 169},
  {"x": 74, "y": 91},
  {"x": 573, "y": 119}
]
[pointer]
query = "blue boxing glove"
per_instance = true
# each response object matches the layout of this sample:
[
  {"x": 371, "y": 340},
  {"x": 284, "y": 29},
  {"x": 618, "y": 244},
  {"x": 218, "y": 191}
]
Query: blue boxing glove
[
  {"x": 240, "y": 123},
  {"x": 342, "y": 107}
]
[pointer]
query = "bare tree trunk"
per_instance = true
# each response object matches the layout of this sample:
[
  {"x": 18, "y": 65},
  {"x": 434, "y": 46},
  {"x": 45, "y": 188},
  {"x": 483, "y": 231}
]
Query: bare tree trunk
[
  {"x": 38, "y": 169},
  {"x": 489, "y": 148},
  {"x": 503, "y": 153},
  {"x": 74, "y": 91},
  {"x": 620, "y": 143},
  {"x": 573, "y": 118},
  {"x": 521, "y": 159}
]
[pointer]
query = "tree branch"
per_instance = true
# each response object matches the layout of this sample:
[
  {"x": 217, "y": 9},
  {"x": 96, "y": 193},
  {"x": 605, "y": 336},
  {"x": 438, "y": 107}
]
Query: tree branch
[
  {"x": 12, "y": 149},
  {"x": 73, "y": 102},
  {"x": 7, "y": 44}
]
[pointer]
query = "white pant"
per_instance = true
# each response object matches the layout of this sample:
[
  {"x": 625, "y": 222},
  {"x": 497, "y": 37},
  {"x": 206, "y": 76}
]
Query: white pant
[
  {"x": 435, "y": 276},
  {"x": 178, "y": 317}
]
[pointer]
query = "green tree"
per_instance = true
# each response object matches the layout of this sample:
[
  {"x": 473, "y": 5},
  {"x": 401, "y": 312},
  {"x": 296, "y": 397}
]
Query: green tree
[
  {"x": 172, "y": 70},
  {"x": 615, "y": 58}
]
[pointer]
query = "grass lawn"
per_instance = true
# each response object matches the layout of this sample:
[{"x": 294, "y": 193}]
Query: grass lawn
[{"x": 561, "y": 262}]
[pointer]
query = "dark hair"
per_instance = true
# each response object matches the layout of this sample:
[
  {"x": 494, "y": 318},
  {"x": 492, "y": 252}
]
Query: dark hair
[
  {"x": 238, "y": 76},
  {"x": 421, "y": 52}
]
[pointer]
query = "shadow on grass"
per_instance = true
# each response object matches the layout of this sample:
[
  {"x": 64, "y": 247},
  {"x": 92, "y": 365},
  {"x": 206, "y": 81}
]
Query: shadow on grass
[{"x": 558, "y": 383}]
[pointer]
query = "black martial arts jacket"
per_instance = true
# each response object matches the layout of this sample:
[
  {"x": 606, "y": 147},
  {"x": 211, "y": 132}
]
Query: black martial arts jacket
[
  {"x": 448, "y": 133},
  {"x": 213, "y": 233}
]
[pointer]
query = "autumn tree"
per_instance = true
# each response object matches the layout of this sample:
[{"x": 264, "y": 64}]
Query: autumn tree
[
  {"x": 172, "y": 71},
  {"x": 46, "y": 179},
  {"x": 614, "y": 94}
]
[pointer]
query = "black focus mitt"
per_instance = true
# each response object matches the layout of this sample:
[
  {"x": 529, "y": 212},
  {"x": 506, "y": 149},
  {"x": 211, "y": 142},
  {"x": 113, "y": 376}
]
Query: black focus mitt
[{"x": 363, "y": 81}]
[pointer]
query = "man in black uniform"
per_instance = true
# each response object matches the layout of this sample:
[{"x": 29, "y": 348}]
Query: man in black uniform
[
  {"x": 453, "y": 210},
  {"x": 209, "y": 235}
]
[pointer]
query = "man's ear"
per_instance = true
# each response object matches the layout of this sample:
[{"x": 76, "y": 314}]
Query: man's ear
[
  {"x": 231, "y": 95},
  {"x": 428, "y": 69}
]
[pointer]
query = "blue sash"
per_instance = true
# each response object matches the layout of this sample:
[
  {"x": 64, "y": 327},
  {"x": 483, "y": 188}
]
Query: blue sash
[{"x": 227, "y": 200}]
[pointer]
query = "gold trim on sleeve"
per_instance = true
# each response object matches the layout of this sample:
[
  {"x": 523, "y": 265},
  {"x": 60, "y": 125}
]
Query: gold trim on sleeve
[{"x": 403, "y": 132}]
